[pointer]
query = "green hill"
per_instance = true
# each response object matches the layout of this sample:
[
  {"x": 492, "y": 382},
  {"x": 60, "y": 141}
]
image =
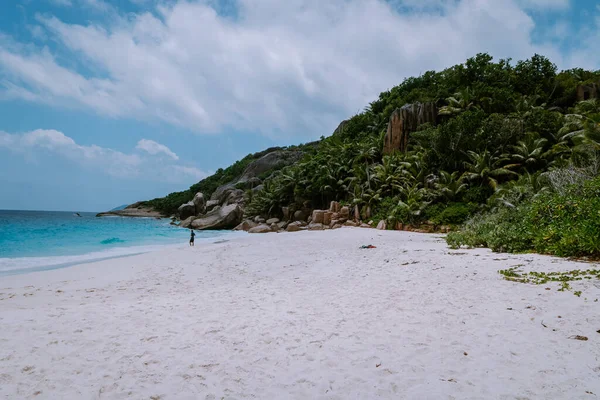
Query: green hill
[{"x": 501, "y": 136}]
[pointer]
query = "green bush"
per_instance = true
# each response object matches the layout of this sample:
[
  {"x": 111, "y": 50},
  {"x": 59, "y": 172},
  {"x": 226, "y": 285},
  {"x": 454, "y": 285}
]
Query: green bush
[
  {"x": 384, "y": 209},
  {"x": 560, "y": 224},
  {"x": 451, "y": 213}
]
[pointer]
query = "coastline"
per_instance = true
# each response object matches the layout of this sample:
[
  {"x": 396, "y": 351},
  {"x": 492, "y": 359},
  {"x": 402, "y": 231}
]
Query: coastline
[{"x": 300, "y": 315}]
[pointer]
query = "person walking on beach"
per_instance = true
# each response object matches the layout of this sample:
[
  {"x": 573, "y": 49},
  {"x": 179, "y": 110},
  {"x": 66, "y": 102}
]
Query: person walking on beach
[{"x": 192, "y": 234}]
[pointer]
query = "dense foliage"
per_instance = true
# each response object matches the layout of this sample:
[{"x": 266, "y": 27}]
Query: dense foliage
[
  {"x": 501, "y": 126},
  {"x": 505, "y": 132},
  {"x": 561, "y": 223},
  {"x": 168, "y": 205}
]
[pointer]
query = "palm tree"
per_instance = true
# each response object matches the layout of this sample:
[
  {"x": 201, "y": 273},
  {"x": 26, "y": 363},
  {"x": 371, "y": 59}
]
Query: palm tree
[
  {"x": 450, "y": 185},
  {"x": 411, "y": 205},
  {"x": 514, "y": 192},
  {"x": 485, "y": 168},
  {"x": 528, "y": 153},
  {"x": 460, "y": 102},
  {"x": 367, "y": 153}
]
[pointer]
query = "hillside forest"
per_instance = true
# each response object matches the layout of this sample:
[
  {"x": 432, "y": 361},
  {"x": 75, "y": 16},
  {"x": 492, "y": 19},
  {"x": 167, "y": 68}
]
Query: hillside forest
[{"x": 510, "y": 162}]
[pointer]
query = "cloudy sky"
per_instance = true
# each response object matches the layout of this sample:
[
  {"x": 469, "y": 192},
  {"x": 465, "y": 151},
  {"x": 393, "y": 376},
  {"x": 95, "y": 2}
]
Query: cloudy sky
[{"x": 105, "y": 102}]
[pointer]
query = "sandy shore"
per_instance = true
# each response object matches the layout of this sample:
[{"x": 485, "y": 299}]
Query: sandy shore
[{"x": 306, "y": 315}]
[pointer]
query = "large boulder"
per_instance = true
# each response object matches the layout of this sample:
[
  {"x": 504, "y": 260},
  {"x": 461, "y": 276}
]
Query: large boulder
[
  {"x": 341, "y": 127},
  {"x": 235, "y": 196},
  {"x": 327, "y": 218},
  {"x": 356, "y": 213},
  {"x": 226, "y": 217},
  {"x": 187, "y": 223},
  {"x": 299, "y": 216},
  {"x": 249, "y": 184},
  {"x": 262, "y": 228},
  {"x": 268, "y": 162},
  {"x": 211, "y": 204},
  {"x": 345, "y": 212},
  {"x": 222, "y": 192},
  {"x": 187, "y": 210},
  {"x": 200, "y": 203},
  {"x": 246, "y": 225},
  {"x": 406, "y": 120},
  {"x": 381, "y": 225},
  {"x": 295, "y": 227},
  {"x": 317, "y": 216},
  {"x": 315, "y": 227},
  {"x": 334, "y": 207},
  {"x": 282, "y": 225}
]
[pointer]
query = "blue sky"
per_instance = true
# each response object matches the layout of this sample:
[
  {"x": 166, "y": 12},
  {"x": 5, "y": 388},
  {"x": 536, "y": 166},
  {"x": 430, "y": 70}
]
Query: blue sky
[{"x": 104, "y": 103}]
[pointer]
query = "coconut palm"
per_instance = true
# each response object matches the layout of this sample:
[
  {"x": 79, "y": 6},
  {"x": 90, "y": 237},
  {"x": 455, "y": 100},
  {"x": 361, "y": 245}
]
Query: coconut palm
[
  {"x": 450, "y": 185},
  {"x": 460, "y": 102},
  {"x": 514, "y": 192},
  {"x": 411, "y": 205},
  {"x": 485, "y": 169},
  {"x": 585, "y": 117},
  {"x": 528, "y": 153}
]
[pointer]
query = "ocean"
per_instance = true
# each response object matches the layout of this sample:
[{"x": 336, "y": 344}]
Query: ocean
[{"x": 40, "y": 240}]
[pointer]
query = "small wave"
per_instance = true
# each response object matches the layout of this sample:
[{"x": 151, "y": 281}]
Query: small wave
[
  {"x": 18, "y": 265},
  {"x": 112, "y": 241}
]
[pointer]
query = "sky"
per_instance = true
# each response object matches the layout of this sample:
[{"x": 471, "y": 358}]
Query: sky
[{"x": 107, "y": 102}]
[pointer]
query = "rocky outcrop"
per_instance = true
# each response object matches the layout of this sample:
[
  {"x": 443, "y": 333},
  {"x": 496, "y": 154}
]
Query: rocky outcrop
[
  {"x": 274, "y": 160},
  {"x": 187, "y": 223},
  {"x": 296, "y": 227},
  {"x": 404, "y": 121},
  {"x": 211, "y": 204},
  {"x": 300, "y": 215},
  {"x": 282, "y": 225},
  {"x": 345, "y": 212},
  {"x": 222, "y": 192},
  {"x": 588, "y": 91},
  {"x": 318, "y": 217},
  {"x": 134, "y": 210},
  {"x": 262, "y": 228},
  {"x": 340, "y": 129},
  {"x": 235, "y": 196},
  {"x": 315, "y": 226},
  {"x": 200, "y": 203},
  {"x": 187, "y": 210},
  {"x": 245, "y": 225},
  {"x": 226, "y": 217}
]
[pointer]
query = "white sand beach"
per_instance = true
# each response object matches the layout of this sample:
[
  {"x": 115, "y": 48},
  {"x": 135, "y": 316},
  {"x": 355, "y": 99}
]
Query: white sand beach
[{"x": 305, "y": 315}]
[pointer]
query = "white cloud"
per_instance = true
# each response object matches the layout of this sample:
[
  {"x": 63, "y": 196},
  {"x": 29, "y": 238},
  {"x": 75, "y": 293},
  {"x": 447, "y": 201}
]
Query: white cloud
[
  {"x": 112, "y": 162},
  {"x": 191, "y": 171},
  {"x": 153, "y": 148},
  {"x": 98, "y": 5},
  {"x": 293, "y": 67}
]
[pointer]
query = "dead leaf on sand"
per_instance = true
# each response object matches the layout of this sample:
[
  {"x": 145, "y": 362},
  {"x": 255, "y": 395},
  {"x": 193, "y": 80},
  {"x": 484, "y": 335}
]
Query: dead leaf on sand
[{"x": 578, "y": 337}]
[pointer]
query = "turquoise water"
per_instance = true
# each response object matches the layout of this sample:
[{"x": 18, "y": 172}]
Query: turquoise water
[{"x": 36, "y": 240}]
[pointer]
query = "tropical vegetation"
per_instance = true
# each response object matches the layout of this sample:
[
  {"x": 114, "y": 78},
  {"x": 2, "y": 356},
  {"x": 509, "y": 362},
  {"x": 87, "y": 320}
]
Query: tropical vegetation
[{"x": 514, "y": 154}]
